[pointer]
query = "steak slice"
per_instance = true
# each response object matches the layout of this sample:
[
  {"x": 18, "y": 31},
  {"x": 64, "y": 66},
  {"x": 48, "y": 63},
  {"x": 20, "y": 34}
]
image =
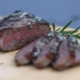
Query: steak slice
[
  {"x": 24, "y": 56},
  {"x": 41, "y": 43},
  {"x": 21, "y": 28},
  {"x": 66, "y": 55}
]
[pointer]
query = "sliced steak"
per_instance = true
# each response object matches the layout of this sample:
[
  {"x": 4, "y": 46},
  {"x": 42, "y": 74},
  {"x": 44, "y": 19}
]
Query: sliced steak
[
  {"x": 20, "y": 28},
  {"x": 66, "y": 55},
  {"x": 47, "y": 54},
  {"x": 24, "y": 56}
]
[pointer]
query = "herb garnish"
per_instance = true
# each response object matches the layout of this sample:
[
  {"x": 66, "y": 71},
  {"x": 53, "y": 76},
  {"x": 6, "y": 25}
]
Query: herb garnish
[{"x": 67, "y": 32}]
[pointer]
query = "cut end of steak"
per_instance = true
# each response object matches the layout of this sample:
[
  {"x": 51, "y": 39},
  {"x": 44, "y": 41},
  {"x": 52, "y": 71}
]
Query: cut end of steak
[
  {"x": 21, "y": 28},
  {"x": 66, "y": 54},
  {"x": 77, "y": 56},
  {"x": 24, "y": 56}
]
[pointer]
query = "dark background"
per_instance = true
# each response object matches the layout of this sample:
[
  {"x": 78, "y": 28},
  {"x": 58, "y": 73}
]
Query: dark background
[{"x": 57, "y": 11}]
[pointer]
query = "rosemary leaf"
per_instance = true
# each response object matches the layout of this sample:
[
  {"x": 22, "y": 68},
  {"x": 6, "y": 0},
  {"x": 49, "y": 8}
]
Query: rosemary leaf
[
  {"x": 76, "y": 30},
  {"x": 77, "y": 36},
  {"x": 58, "y": 29},
  {"x": 53, "y": 26},
  {"x": 67, "y": 31},
  {"x": 66, "y": 25}
]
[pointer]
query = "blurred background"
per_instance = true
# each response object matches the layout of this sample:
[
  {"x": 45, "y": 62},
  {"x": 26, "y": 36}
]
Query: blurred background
[{"x": 58, "y": 11}]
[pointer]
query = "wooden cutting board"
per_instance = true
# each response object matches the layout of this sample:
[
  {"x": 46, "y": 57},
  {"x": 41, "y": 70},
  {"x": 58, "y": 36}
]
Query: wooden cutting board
[{"x": 9, "y": 71}]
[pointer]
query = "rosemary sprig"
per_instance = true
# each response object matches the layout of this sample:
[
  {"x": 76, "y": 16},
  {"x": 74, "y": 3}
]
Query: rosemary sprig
[
  {"x": 67, "y": 32},
  {"x": 62, "y": 30}
]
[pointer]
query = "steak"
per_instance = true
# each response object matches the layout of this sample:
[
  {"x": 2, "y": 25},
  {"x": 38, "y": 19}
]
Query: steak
[
  {"x": 48, "y": 53},
  {"x": 66, "y": 55},
  {"x": 21, "y": 28}
]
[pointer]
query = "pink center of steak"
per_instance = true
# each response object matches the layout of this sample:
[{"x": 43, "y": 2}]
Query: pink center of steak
[{"x": 18, "y": 36}]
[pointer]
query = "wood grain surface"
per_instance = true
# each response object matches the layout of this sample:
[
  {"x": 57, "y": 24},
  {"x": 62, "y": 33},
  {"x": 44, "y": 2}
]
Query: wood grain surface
[{"x": 9, "y": 71}]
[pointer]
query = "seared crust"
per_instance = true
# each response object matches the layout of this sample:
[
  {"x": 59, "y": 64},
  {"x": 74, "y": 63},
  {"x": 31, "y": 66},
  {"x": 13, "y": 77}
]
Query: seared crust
[{"x": 20, "y": 18}]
